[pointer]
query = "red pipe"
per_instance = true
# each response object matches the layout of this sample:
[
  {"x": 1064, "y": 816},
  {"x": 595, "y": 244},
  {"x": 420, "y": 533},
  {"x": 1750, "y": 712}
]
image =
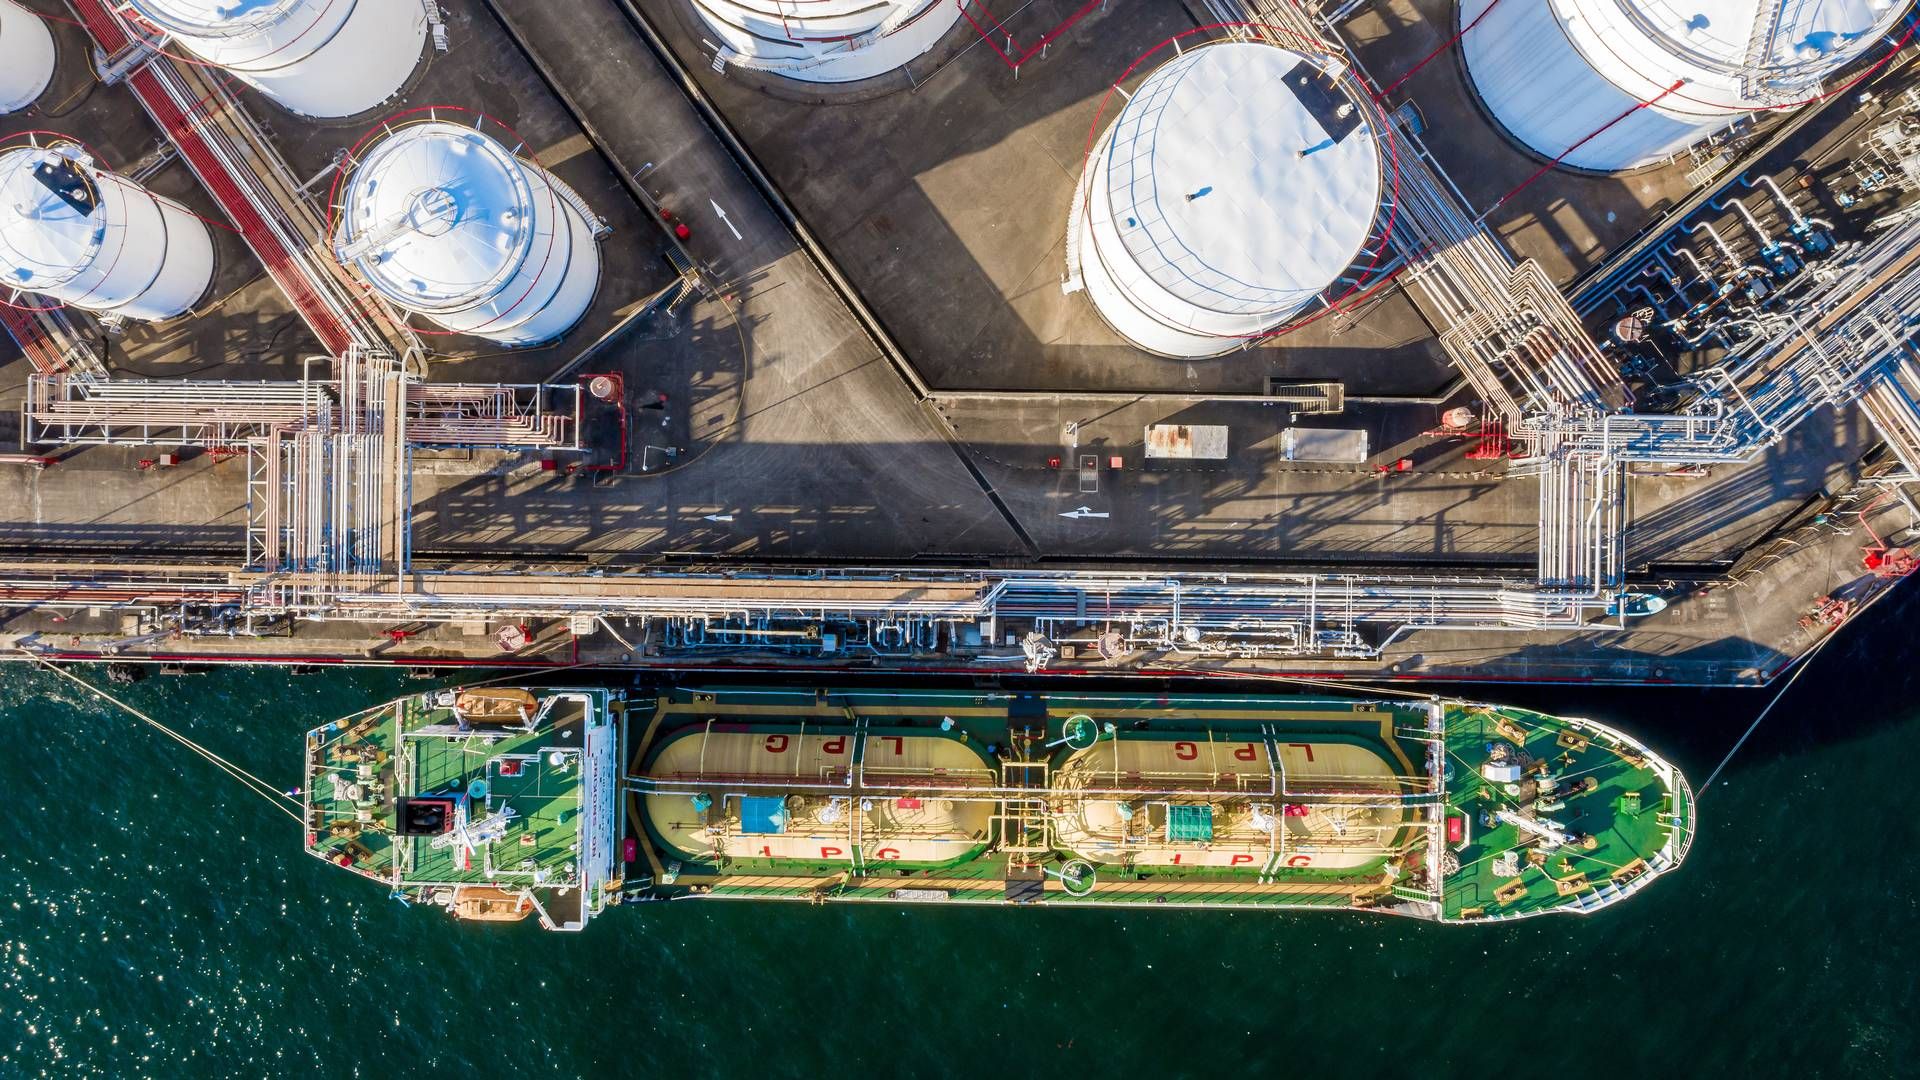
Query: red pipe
[
  {"x": 1594, "y": 134},
  {"x": 1045, "y": 39},
  {"x": 1448, "y": 44}
]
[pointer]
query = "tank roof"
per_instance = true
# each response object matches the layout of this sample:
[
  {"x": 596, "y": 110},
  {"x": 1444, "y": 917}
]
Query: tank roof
[
  {"x": 214, "y": 17},
  {"x": 436, "y": 215},
  {"x": 1227, "y": 186},
  {"x": 45, "y": 239},
  {"x": 1719, "y": 33}
]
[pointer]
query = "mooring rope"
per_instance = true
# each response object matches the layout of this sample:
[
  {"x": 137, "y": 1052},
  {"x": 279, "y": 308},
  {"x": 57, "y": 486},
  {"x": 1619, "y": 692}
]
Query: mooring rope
[
  {"x": 1354, "y": 688},
  {"x": 1805, "y": 663},
  {"x": 249, "y": 780}
]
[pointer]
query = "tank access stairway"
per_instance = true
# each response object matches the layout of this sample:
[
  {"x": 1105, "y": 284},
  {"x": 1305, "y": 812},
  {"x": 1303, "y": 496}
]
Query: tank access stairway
[{"x": 49, "y": 340}]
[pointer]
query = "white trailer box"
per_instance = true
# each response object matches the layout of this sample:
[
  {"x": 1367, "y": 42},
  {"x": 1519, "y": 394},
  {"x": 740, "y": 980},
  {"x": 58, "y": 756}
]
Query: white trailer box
[
  {"x": 1346, "y": 446},
  {"x": 1201, "y": 442}
]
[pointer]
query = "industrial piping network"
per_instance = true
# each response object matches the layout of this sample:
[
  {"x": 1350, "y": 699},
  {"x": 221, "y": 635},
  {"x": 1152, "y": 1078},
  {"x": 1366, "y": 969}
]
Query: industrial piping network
[
  {"x": 328, "y": 459},
  {"x": 204, "y": 122},
  {"x": 1509, "y": 331}
]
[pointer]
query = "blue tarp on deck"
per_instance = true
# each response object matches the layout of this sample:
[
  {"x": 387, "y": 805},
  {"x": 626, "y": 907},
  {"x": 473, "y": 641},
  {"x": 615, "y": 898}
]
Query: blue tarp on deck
[{"x": 763, "y": 814}]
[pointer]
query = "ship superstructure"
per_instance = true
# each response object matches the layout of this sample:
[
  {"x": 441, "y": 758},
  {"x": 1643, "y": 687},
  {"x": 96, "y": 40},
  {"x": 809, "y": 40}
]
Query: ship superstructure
[
  {"x": 1439, "y": 809},
  {"x": 496, "y": 804}
]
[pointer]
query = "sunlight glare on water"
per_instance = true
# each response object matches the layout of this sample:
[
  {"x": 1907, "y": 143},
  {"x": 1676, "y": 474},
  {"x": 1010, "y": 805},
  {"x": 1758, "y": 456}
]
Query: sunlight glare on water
[{"x": 158, "y": 920}]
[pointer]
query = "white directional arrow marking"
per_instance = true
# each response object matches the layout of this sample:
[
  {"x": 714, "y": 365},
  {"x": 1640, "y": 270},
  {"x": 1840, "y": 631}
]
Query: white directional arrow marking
[
  {"x": 724, "y": 220},
  {"x": 1085, "y": 512},
  {"x": 719, "y": 517}
]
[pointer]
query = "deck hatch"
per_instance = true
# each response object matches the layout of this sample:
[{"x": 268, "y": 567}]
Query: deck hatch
[
  {"x": 763, "y": 814},
  {"x": 1190, "y": 824},
  {"x": 1320, "y": 95}
]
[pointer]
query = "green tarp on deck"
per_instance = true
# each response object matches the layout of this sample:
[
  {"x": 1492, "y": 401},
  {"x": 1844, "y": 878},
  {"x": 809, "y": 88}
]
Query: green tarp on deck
[{"x": 1193, "y": 824}]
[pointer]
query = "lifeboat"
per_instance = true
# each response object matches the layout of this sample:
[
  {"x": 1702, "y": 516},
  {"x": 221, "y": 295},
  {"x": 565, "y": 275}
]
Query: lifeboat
[
  {"x": 484, "y": 903},
  {"x": 495, "y": 706}
]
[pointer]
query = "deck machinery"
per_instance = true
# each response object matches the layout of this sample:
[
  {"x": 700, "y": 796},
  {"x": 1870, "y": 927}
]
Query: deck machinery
[{"x": 499, "y": 804}]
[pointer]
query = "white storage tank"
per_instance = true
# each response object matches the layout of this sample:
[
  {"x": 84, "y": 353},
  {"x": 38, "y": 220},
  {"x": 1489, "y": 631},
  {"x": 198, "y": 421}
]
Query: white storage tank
[
  {"x": 1238, "y": 183},
  {"x": 88, "y": 238},
  {"x": 826, "y": 41},
  {"x": 26, "y": 57},
  {"x": 444, "y": 221},
  {"x": 1554, "y": 72},
  {"x": 321, "y": 58}
]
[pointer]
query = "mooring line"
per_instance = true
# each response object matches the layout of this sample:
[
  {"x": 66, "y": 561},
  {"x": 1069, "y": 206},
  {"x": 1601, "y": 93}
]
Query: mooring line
[
  {"x": 249, "y": 780},
  {"x": 1357, "y": 688},
  {"x": 1805, "y": 663}
]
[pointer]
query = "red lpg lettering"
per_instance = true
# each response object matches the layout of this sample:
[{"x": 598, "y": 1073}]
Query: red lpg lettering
[
  {"x": 1239, "y": 860},
  {"x": 1246, "y": 753},
  {"x": 776, "y": 744},
  {"x": 1186, "y": 751},
  {"x": 1306, "y": 748},
  {"x": 835, "y": 745},
  {"x": 767, "y": 851},
  {"x": 1298, "y": 860},
  {"x": 1176, "y": 858},
  {"x": 887, "y": 853},
  {"x": 899, "y": 742},
  {"x": 831, "y": 853}
]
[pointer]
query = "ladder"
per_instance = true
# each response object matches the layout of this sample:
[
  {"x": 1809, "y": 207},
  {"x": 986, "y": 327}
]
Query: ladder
[{"x": 1024, "y": 821}]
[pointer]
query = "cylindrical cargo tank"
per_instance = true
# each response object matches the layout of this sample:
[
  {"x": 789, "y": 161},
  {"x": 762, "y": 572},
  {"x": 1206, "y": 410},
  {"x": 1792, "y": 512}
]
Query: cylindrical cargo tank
[
  {"x": 826, "y": 41},
  {"x": 1568, "y": 76},
  {"x": 97, "y": 241},
  {"x": 443, "y": 220},
  {"x": 1238, "y": 182},
  {"x": 321, "y": 58},
  {"x": 26, "y": 57}
]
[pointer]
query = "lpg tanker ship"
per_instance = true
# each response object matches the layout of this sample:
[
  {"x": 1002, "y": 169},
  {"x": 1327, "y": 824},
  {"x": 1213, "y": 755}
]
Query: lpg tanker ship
[{"x": 502, "y": 804}]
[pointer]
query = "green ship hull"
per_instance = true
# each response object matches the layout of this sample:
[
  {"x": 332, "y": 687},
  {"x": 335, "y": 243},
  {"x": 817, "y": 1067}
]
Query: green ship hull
[{"x": 555, "y": 804}]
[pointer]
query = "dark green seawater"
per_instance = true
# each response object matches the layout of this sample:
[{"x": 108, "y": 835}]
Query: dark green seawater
[{"x": 156, "y": 920}]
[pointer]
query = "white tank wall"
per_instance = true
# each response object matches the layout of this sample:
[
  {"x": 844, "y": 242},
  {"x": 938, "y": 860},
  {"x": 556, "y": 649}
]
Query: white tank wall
[
  {"x": 511, "y": 259},
  {"x": 552, "y": 289},
  {"x": 1554, "y": 72},
  {"x": 1199, "y": 277},
  {"x": 1135, "y": 306},
  {"x": 832, "y": 41},
  {"x": 138, "y": 255},
  {"x": 26, "y": 57},
  {"x": 320, "y": 58}
]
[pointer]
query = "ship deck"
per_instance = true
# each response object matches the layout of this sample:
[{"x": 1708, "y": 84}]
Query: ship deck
[
  {"x": 1635, "y": 809},
  {"x": 1195, "y": 801},
  {"x": 509, "y": 807}
]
